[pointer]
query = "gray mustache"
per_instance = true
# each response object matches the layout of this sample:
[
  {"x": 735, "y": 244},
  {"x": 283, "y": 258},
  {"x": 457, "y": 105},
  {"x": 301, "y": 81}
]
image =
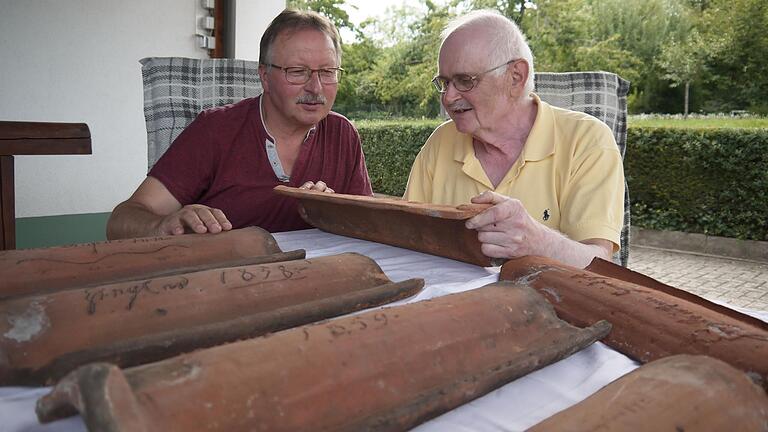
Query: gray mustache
[
  {"x": 310, "y": 98},
  {"x": 459, "y": 105}
]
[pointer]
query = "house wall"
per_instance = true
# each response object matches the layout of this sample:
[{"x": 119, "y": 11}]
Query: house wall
[
  {"x": 78, "y": 61},
  {"x": 249, "y": 15}
]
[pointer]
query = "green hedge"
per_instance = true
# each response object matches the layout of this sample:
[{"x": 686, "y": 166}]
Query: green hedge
[
  {"x": 712, "y": 181},
  {"x": 390, "y": 148},
  {"x": 703, "y": 181}
]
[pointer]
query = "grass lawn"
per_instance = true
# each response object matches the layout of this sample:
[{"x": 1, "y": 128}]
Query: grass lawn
[
  {"x": 698, "y": 122},
  {"x": 398, "y": 122}
]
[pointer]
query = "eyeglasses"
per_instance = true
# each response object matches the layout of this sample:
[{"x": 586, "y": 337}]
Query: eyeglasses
[
  {"x": 301, "y": 75},
  {"x": 462, "y": 82}
]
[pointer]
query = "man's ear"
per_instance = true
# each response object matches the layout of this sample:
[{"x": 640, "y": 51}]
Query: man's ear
[
  {"x": 263, "y": 78},
  {"x": 519, "y": 70}
]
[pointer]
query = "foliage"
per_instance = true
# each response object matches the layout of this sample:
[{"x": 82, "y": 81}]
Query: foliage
[
  {"x": 699, "y": 180},
  {"x": 608, "y": 55},
  {"x": 395, "y": 78},
  {"x": 664, "y": 47},
  {"x": 683, "y": 60},
  {"x": 697, "y": 121},
  {"x": 356, "y": 91},
  {"x": 514, "y": 9},
  {"x": 390, "y": 148},
  {"x": 333, "y": 9},
  {"x": 646, "y": 30},
  {"x": 737, "y": 31},
  {"x": 554, "y": 32}
]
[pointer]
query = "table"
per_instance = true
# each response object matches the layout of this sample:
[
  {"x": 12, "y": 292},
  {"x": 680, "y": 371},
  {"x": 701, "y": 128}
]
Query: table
[
  {"x": 32, "y": 138},
  {"x": 515, "y": 406}
]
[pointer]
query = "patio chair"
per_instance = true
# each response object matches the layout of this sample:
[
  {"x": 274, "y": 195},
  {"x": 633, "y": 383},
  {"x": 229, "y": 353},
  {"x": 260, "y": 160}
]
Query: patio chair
[
  {"x": 602, "y": 95},
  {"x": 177, "y": 89}
]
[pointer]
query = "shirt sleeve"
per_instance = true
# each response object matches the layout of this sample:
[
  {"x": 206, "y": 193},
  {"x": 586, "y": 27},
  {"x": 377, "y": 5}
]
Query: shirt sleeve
[
  {"x": 186, "y": 169},
  {"x": 593, "y": 204}
]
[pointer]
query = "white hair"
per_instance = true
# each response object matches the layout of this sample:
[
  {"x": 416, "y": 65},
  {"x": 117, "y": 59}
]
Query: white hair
[{"x": 508, "y": 41}]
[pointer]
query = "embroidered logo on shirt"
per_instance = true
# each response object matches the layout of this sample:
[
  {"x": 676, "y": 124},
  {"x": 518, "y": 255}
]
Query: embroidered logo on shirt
[{"x": 546, "y": 215}]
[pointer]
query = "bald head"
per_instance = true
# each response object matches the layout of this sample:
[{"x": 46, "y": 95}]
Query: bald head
[{"x": 491, "y": 36}]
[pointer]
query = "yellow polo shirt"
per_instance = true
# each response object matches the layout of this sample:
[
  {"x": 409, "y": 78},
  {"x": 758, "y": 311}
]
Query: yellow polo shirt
[{"x": 569, "y": 175}]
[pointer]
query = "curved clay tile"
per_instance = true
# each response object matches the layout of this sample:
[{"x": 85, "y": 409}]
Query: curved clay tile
[
  {"x": 31, "y": 271},
  {"x": 129, "y": 323},
  {"x": 649, "y": 322},
  {"x": 385, "y": 369},
  {"x": 679, "y": 393}
]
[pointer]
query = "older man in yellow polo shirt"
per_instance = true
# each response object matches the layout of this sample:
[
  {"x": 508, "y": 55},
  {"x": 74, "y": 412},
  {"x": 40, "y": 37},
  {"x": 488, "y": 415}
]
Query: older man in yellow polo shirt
[{"x": 554, "y": 177}]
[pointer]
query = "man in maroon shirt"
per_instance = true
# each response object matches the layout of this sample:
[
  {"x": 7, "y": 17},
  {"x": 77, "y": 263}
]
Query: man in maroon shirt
[{"x": 220, "y": 172}]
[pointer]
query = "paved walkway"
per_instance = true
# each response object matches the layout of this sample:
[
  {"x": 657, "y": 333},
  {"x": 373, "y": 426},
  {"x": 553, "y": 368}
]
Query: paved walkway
[{"x": 736, "y": 282}]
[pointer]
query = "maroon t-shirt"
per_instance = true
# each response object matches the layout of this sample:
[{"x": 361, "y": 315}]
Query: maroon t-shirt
[{"x": 220, "y": 160}]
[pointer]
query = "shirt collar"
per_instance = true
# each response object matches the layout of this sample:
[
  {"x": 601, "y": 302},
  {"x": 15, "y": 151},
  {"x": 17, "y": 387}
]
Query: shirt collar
[{"x": 541, "y": 140}]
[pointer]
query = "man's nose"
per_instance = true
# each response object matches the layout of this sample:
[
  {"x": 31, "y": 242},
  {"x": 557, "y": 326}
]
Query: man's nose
[
  {"x": 451, "y": 94},
  {"x": 314, "y": 85}
]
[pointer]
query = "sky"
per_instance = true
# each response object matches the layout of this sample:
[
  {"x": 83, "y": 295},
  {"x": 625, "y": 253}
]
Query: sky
[{"x": 372, "y": 8}]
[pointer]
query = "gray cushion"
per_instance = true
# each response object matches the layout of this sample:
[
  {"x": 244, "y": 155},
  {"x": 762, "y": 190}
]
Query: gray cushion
[{"x": 177, "y": 89}]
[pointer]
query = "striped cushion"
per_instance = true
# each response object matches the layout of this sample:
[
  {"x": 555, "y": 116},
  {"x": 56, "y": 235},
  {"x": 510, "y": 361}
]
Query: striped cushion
[{"x": 177, "y": 89}]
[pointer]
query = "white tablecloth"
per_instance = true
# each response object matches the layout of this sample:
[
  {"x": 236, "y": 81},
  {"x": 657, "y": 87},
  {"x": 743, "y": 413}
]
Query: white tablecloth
[{"x": 515, "y": 406}]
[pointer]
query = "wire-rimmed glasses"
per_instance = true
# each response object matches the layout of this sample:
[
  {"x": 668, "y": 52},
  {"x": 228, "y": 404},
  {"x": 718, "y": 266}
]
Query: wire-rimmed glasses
[{"x": 462, "y": 82}]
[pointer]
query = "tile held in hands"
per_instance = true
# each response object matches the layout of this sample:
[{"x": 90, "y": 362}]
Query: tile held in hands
[
  {"x": 128, "y": 323},
  {"x": 384, "y": 369},
  {"x": 30, "y": 271},
  {"x": 429, "y": 228}
]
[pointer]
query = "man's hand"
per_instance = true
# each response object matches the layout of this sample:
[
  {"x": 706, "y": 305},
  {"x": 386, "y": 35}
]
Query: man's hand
[
  {"x": 320, "y": 186},
  {"x": 152, "y": 210},
  {"x": 505, "y": 230},
  {"x": 195, "y": 218}
]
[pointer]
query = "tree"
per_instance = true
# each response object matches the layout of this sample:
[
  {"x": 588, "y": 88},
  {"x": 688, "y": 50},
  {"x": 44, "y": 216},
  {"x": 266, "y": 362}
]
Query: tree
[
  {"x": 736, "y": 32},
  {"x": 683, "y": 62},
  {"x": 402, "y": 75},
  {"x": 513, "y": 9},
  {"x": 356, "y": 91},
  {"x": 332, "y": 9},
  {"x": 664, "y": 47},
  {"x": 608, "y": 55},
  {"x": 554, "y": 31}
]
